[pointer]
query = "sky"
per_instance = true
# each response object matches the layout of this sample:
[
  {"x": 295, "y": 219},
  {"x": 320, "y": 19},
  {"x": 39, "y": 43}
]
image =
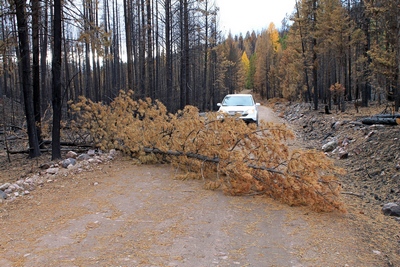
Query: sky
[{"x": 240, "y": 16}]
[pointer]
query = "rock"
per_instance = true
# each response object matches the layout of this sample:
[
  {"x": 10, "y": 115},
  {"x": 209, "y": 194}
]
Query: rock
[
  {"x": 94, "y": 161},
  {"x": 46, "y": 165},
  {"x": 83, "y": 157},
  {"x": 391, "y": 209},
  {"x": 336, "y": 125},
  {"x": 91, "y": 152},
  {"x": 346, "y": 141},
  {"x": 113, "y": 152},
  {"x": 71, "y": 166},
  {"x": 344, "y": 155},
  {"x": 3, "y": 195},
  {"x": 4, "y": 186},
  {"x": 72, "y": 155},
  {"x": 29, "y": 180},
  {"x": 377, "y": 252},
  {"x": 52, "y": 170},
  {"x": 12, "y": 187},
  {"x": 66, "y": 162},
  {"x": 330, "y": 146}
]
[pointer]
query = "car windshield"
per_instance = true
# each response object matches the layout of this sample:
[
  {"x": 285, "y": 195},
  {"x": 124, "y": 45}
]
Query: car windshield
[{"x": 238, "y": 101}]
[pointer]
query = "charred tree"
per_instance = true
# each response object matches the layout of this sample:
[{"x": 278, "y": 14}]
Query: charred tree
[
  {"x": 24, "y": 62},
  {"x": 56, "y": 70}
]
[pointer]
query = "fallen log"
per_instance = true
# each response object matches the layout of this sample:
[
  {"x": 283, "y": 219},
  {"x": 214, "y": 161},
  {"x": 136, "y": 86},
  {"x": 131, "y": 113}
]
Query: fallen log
[
  {"x": 43, "y": 150},
  {"x": 381, "y": 120},
  {"x": 48, "y": 142},
  {"x": 388, "y": 115}
]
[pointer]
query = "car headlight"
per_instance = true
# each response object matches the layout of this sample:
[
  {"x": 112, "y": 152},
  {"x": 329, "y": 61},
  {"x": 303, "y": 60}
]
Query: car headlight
[{"x": 251, "y": 111}]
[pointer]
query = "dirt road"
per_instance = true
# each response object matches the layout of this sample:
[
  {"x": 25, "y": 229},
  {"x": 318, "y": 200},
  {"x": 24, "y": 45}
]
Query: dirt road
[{"x": 130, "y": 215}]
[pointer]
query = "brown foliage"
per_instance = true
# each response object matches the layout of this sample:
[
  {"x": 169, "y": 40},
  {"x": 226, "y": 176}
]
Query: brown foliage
[
  {"x": 337, "y": 91},
  {"x": 240, "y": 158}
]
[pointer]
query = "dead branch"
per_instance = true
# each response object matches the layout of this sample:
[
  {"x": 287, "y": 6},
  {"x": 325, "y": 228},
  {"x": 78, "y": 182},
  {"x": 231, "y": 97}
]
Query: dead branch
[
  {"x": 352, "y": 194},
  {"x": 179, "y": 153},
  {"x": 203, "y": 158}
]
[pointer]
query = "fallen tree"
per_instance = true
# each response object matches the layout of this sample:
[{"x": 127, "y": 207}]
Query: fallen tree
[
  {"x": 385, "y": 119},
  {"x": 241, "y": 159}
]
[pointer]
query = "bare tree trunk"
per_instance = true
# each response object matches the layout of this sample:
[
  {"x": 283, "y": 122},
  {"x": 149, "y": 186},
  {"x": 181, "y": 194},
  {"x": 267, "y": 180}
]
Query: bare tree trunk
[
  {"x": 67, "y": 94},
  {"x": 367, "y": 87},
  {"x": 106, "y": 60},
  {"x": 24, "y": 60},
  {"x": 168, "y": 53},
  {"x": 43, "y": 58},
  {"x": 397, "y": 72},
  {"x": 88, "y": 78},
  {"x": 116, "y": 70},
  {"x": 56, "y": 69},
  {"x": 315, "y": 64},
  {"x": 158, "y": 61},
  {"x": 184, "y": 25},
  {"x": 187, "y": 50},
  {"x": 143, "y": 89},
  {"x": 4, "y": 91},
  {"x": 36, "y": 68},
  {"x": 205, "y": 74},
  {"x": 150, "y": 85}
]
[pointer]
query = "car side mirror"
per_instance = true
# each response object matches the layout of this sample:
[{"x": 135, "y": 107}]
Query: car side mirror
[
  {"x": 258, "y": 104},
  {"x": 219, "y": 104}
]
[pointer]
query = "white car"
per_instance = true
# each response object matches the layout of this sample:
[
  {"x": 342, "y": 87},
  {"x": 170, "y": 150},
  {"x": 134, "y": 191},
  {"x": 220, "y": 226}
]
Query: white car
[{"x": 242, "y": 104}]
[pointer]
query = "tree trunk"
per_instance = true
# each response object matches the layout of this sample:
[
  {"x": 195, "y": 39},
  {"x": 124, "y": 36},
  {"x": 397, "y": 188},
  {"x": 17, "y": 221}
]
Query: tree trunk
[
  {"x": 143, "y": 89},
  {"x": 36, "y": 68},
  {"x": 381, "y": 120},
  {"x": 205, "y": 70},
  {"x": 56, "y": 70},
  {"x": 4, "y": 91},
  {"x": 367, "y": 87},
  {"x": 303, "y": 50},
  {"x": 24, "y": 61},
  {"x": 43, "y": 59},
  {"x": 184, "y": 25},
  {"x": 150, "y": 59},
  {"x": 168, "y": 54},
  {"x": 315, "y": 64}
]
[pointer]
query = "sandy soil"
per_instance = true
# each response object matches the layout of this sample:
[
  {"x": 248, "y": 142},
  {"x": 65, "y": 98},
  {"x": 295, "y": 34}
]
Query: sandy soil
[{"x": 123, "y": 214}]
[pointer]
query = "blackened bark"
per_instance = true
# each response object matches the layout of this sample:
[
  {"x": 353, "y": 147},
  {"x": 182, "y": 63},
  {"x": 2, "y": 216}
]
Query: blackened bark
[
  {"x": 168, "y": 53},
  {"x": 150, "y": 70},
  {"x": 367, "y": 87},
  {"x": 303, "y": 50},
  {"x": 184, "y": 27},
  {"x": 24, "y": 62},
  {"x": 205, "y": 70},
  {"x": 43, "y": 57},
  {"x": 315, "y": 64},
  {"x": 36, "y": 68},
  {"x": 56, "y": 70}
]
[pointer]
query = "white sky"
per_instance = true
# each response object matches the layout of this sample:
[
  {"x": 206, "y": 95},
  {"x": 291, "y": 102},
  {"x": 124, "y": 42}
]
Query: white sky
[{"x": 240, "y": 16}]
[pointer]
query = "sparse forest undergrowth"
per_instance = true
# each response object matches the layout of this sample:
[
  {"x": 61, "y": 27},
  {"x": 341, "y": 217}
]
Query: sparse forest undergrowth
[{"x": 239, "y": 158}]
